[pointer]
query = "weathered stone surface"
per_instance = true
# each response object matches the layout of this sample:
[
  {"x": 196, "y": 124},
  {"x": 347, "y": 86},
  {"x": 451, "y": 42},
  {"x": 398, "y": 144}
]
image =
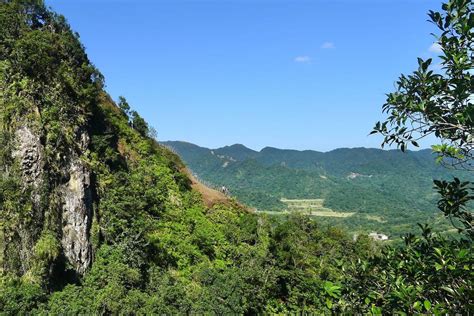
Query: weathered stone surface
[
  {"x": 77, "y": 214},
  {"x": 74, "y": 195},
  {"x": 29, "y": 152}
]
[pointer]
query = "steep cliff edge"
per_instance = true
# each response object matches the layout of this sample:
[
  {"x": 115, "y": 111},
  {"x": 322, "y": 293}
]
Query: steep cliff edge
[
  {"x": 28, "y": 153},
  {"x": 59, "y": 203},
  {"x": 48, "y": 88},
  {"x": 77, "y": 171},
  {"x": 76, "y": 198}
]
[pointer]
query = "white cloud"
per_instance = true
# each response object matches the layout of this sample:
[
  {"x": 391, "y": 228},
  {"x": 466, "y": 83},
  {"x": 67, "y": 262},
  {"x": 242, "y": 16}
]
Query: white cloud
[
  {"x": 435, "y": 48},
  {"x": 328, "y": 45},
  {"x": 302, "y": 59}
]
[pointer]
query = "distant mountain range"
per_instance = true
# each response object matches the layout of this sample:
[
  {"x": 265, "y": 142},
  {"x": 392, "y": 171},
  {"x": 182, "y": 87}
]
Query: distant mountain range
[{"x": 386, "y": 190}]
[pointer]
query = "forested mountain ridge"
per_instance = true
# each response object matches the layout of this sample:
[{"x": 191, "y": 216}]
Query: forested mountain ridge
[
  {"x": 389, "y": 191},
  {"x": 338, "y": 161},
  {"x": 96, "y": 217}
]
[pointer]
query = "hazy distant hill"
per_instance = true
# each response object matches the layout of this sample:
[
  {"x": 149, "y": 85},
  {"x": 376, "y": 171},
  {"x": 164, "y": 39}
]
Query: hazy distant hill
[{"x": 386, "y": 189}]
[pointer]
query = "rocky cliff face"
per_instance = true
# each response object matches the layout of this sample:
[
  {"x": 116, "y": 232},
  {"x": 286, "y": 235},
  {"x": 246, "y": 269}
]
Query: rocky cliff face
[
  {"x": 48, "y": 92},
  {"x": 29, "y": 153},
  {"x": 74, "y": 200},
  {"x": 77, "y": 211}
]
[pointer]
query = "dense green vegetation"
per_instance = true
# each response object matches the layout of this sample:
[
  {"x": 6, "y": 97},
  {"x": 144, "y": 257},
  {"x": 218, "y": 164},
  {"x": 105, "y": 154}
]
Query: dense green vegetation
[
  {"x": 156, "y": 248},
  {"x": 370, "y": 182}
]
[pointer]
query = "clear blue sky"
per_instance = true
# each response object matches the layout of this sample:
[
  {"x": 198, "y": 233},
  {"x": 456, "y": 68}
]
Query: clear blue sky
[{"x": 288, "y": 74}]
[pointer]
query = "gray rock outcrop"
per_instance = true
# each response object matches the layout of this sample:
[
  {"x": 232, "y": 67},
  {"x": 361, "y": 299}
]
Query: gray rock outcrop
[
  {"x": 29, "y": 152},
  {"x": 77, "y": 212},
  {"x": 73, "y": 199}
]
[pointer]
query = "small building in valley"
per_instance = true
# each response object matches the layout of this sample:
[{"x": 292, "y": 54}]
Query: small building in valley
[{"x": 378, "y": 236}]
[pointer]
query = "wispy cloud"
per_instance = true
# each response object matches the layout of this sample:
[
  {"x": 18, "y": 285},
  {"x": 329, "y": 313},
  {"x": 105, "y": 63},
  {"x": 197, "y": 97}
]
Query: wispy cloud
[
  {"x": 328, "y": 45},
  {"x": 435, "y": 48},
  {"x": 302, "y": 59}
]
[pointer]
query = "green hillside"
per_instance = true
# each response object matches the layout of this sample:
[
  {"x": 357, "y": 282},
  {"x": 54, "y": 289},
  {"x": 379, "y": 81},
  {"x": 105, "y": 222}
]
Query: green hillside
[
  {"x": 98, "y": 218},
  {"x": 392, "y": 187}
]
